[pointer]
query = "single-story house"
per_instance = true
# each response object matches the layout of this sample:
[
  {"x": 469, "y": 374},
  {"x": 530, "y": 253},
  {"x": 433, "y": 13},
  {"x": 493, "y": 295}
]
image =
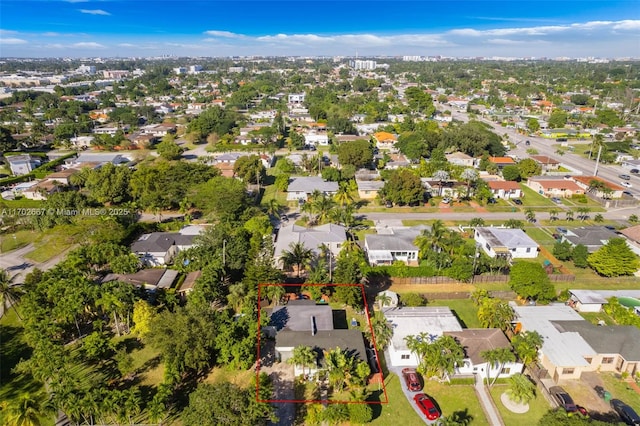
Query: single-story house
[
  {"x": 513, "y": 243},
  {"x": 149, "y": 279},
  {"x": 632, "y": 234},
  {"x": 22, "y": 164},
  {"x": 300, "y": 188},
  {"x": 593, "y": 237},
  {"x": 584, "y": 182},
  {"x": 158, "y": 130},
  {"x": 474, "y": 341},
  {"x": 62, "y": 177},
  {"x": 593, "y": 300},
  {"x": 368, "y": 189},
  {"x": 92, "y": 158},
  {"x": 446, "y": 188},
  {"x": 159, "y": 248},
  {"x": 573, "y": 345},
  {"x": 41, "y": 190},
  {"x": 303, "y": 323},
  {"x": 313, "y": 138},
  {"x": 562, "y": 188},
  {"x": 461, "y": 159},
  {"x": 393, "y": 244},
  {"x": 411, "y": 321},
  {"x": 502, "y": 162},
  {"x": 548, "y": 164},
  {"x": 506, "y": 189},
  {"x": 189, "y": 282},
  {"x": 329, "y": 235}
]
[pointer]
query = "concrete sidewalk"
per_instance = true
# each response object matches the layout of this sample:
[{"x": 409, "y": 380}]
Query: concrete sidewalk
[{"x": 488, "y": 406}]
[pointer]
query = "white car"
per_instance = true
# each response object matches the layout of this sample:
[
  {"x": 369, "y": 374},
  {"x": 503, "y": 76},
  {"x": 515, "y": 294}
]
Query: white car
[{"x": 626, "y": 184}]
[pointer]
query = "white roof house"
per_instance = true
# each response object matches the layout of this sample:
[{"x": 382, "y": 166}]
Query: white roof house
[
  {"x": 391, "y": 244},
  {"x": 411, "y": 322},
  {"x": 330, "y": 235},
  {"x": 301, "y": 187},
  {"x": 592, "y": 300},
  {"x": 506, "y": 242},
  {"x": 572, "y": 345}
]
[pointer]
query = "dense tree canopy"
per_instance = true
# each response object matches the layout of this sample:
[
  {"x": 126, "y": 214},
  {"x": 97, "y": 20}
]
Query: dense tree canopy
[
  {"x": 530, "y": 281},
  {"x": 357, "y": 153},
  {"x": 402, "y": 187},
  {"x": 614, "y": 259}
]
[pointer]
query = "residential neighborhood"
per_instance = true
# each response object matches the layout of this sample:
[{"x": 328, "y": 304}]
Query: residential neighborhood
[{"x": 320, "y": 240}]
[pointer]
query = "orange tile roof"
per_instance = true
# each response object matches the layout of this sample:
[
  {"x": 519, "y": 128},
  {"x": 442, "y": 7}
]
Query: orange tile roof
[
  {"x": 585, "y": 180},
  {"x": 503, "y": 184},
  {"x": 501, "y": 160},
  {"x": 384, "y": 136}
]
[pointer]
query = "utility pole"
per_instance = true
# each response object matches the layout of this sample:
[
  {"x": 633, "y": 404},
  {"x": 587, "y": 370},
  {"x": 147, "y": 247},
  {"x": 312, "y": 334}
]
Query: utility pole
[
  {"x": 224, "y": 254},
  {"x": 595, "y": 172}
]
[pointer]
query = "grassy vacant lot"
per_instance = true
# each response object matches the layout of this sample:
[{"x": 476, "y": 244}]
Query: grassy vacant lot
[
  {"x": 55, "y": 241},
  {"x": 532, "y": 198},
  {"x": 537, "y": 408},
  {"x": 398, "y": 411},
  {"x": 464, "y": 309}
]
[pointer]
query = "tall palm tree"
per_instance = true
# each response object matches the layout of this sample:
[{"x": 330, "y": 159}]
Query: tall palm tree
[
  {"x": 26, "y": 410},
  {"x": 530, "y": 215},
  {"x": 521, "y": 389},
  {"x": 553, "y": 214},
  {"x": 343, "y": 197},
  {"x": 569, "y": 215},
  {"x": 274, "y": 208},
  {"x": 303, "y": 356},
  {"x": 10, "y": 293},
  {"x": 469, "y": 175},
  {"x": 297, "y": 255},
  {"x": 441, "y": 176},
  {"x": 497, "y": 358},
  {"x": 383, "y": 299}
]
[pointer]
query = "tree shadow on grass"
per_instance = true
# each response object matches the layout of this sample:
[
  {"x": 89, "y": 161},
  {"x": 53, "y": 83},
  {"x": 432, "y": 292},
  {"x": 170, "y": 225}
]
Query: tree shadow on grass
[{"x": 376, "y": 396}]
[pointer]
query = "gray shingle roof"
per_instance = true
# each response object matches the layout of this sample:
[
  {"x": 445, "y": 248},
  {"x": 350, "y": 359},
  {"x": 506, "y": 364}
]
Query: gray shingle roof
[
  {"x": 311, "y": 238},
  {"x": 613, "y": 339},
  {"x": 308, "y": 184},
  {"x": 350, "y": 341},
  {"x": 590, "y": 236},
  {"x": 297, "y": 316},
  {"x": 156, "y": 242}
]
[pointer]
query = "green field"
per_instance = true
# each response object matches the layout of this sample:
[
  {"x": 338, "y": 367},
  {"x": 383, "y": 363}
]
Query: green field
[{"x": 464, "y": 309}]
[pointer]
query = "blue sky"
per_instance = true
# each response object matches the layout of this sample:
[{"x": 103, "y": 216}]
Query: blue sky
[{"x": 80, "y": 28}]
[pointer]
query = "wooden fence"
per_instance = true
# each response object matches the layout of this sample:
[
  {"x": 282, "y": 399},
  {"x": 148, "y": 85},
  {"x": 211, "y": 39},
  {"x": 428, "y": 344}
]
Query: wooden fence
[{"x": 478, "y": 279}]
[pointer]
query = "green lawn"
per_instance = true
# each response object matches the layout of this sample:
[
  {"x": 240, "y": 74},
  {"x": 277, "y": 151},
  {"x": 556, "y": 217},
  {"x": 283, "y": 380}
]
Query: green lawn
[
  {"x": 541, "y": 235},
  {"x": 398, "y": 411},
  {"x": 464, "y": 309},
  {"x": 621, "y": 390},
  {"x": 460, "y": 399},
  {"x": 17, "y": 240},
  {"x": 532, "y": 198},
  {"x": 537, "y": 408},
  {"x": 55, "y": 241},
  {"x": 270, "y": 193}
]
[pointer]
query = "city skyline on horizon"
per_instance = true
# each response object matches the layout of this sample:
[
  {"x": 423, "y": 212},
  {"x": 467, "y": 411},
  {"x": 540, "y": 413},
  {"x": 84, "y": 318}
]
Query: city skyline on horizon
[{"x": 520, "y": 29}]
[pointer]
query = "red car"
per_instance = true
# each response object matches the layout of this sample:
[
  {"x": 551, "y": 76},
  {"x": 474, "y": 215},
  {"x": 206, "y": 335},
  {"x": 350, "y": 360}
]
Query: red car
[
  {"x": 427, "y": 406},
  {"x": 412, "y": 379}
]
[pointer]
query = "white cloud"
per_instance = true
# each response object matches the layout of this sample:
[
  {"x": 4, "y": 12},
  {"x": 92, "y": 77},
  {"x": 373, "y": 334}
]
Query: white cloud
[
  {"x": 7, "y": 32},
  {"x": 54, "y": 46},
  {"x": 627, "y": 25},
  {"x": 224, "y": 34},
  {"x": 126, "y": 45},
  {"x": 95, "y": 12},
  {"x": 51, "y": 34},
  {"x": 12, "y": 40},
  {"x": 88, "y": 45}
]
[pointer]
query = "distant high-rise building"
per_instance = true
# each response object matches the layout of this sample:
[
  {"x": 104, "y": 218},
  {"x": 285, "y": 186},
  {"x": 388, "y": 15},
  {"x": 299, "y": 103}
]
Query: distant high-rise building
[
  {"x": 180, "y": 70},
  {"x": 195, "y": 69},
  {"x": 236, "y": 69},
  {"x": 359, "y": 64},
  {"x": 86, "y": 69}
]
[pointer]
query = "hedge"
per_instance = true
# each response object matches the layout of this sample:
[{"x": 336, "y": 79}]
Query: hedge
[{"x": 37, "y": 173}]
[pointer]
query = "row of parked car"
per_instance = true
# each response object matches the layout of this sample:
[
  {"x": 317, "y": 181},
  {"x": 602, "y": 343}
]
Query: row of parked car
[
  {"x": 564, "y": 400},
  {"x": 425, "y": 403}
]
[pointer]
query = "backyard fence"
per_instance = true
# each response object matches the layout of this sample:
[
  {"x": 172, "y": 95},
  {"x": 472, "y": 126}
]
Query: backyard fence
[{"x": 478, "y": 279}]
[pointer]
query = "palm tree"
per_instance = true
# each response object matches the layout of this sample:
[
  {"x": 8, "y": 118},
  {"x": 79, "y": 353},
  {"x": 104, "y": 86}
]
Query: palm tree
[
  {"x": 469, "y": 176},
  {"x": 440, "y": 176},
  {"x": 526, "y": 346},
  {"x": 521, "y": 389},
  {"x": 530, "y": 215},
  {"x": 598, "y": 218},
  {"x": 303, "y": 356},
  {"x": 343, "y": 197},
  {"x": 274, "y": 208},
  {"x": 583, "y": 213},
  {"x": 297, "y": 255},
  {"x": 382, "y": 331},
  {"x": 10, "y": 293},
  {"x": 274, "y": 292},
  {"x": 383, "y": 299},
  {"x": 569, "y": 215},
  {"x": 237, "y": 296},
  {"x": 25, "y": 411},
  {"x": 497, "y": 357}
]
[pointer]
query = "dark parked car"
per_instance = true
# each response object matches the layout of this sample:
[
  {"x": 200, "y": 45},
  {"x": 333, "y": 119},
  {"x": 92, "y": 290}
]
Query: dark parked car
[
  {"x": 527, "y": 143},
  {"x": 427, "y": 406},
  {"x": 624, "y": 177},
  {"x": 412, "y": 379},
  {"x": 635, "y": 171},
  {"x": 388, "y": 204},
  {"x": 563, "y": 398},
  {"x": 556, "y": 200},
  {"x": 518, "y": 202},
  {"x": 626, "y": 413}
]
